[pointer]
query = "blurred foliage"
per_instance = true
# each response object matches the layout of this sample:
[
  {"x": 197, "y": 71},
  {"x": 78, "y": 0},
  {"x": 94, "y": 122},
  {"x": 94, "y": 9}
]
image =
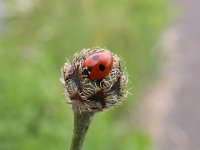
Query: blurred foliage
[{"x": 37, "y": 38}]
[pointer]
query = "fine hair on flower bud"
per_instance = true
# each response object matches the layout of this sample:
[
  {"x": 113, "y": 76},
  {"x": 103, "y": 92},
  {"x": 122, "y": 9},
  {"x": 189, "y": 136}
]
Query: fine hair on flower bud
[{"x": 94, "y": 95}]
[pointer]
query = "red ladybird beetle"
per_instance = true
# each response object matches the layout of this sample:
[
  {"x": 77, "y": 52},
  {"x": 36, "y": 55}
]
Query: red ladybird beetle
[{"x": 98, "y": 65}]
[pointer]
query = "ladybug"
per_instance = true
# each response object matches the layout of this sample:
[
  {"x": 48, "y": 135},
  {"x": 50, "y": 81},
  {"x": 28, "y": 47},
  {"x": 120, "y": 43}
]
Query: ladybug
[{"x": 98, "y": 65}]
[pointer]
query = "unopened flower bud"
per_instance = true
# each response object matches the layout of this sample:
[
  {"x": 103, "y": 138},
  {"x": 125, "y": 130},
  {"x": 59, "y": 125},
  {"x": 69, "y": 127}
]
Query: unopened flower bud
[{"x": 94, "y": 80}]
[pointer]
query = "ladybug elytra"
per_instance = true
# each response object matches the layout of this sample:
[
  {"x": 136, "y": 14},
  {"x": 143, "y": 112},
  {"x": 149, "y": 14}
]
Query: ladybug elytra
[{"x": 98, "y": 65}]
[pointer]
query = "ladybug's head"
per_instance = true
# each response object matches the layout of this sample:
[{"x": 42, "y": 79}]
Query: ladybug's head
[{"x": 87, "y": 70}]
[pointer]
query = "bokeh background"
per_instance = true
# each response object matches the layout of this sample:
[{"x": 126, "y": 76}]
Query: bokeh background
[{"x": 36, "y": 37}]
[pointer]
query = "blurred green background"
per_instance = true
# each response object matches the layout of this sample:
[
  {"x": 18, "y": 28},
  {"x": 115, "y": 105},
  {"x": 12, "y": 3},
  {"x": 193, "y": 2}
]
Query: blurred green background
[{"x": 35, "y": 41}]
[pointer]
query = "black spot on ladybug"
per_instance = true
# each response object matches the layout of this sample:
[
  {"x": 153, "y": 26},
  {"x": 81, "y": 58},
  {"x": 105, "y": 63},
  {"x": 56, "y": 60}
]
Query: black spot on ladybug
[
  {"x": 102, "y": 67},
  {"x": 95, "y": 57}
]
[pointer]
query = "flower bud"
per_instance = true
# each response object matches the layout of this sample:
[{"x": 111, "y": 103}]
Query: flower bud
[{"x": 88, "y": 94}]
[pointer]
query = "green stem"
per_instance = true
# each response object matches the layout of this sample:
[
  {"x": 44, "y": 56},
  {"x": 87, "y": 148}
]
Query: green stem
[{"x": 82, "y": 122}]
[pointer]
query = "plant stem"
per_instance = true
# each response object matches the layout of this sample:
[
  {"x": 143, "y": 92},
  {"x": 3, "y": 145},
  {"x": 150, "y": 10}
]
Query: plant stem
[{"x": 82, "y": 122}]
